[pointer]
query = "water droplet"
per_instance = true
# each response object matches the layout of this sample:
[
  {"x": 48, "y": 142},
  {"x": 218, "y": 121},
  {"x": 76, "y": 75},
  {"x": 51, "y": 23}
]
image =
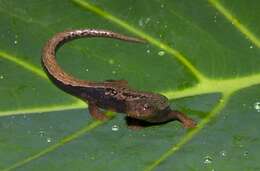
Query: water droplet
[
  {"x": 162, "y": 5},
  {"x": 245, "y": 154},
  {"x": 111, "y": 61},
  {"x": 161, "y": 53},
  {"x": 223, "y": 153},
  {"x": 251, "y": 47},
  {"x": 48, "y": 140},
  {"x": 86, "y": 69},
  {"x": 141, "y": 22},
  {"x": 115, "y": 128},
  {"x": 207, "y": 160},
  {"x": 16, "y": 42},
  {"x": 42, "y": 133},
  {"x": 113, "y": 72},
  {"x": 257, "y": 106},
  {"x": 1, "y": 77},
  {"x": 215, "y": 19},
  {"x": 147, "y": 20},
  {"x": 148, "y": 51}
]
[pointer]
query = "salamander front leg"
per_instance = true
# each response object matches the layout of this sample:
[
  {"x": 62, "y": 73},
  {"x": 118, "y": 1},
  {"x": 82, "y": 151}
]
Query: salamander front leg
[
  {"x": 134, "y": 124},
  {"x": 185, "y": 120},
  {"x": 96, "y": 112}
]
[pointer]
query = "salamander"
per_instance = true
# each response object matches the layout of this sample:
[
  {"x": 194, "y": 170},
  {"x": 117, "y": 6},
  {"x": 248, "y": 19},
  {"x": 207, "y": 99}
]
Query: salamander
[{"x": 113, "y": 95}]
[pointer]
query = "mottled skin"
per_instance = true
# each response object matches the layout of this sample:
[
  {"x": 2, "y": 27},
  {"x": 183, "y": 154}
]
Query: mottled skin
[{"x": 114, "y": 95}]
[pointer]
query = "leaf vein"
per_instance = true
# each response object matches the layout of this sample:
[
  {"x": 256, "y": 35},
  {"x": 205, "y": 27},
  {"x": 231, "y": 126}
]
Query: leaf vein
[
  {"x": 182, "y": 59},
  {"x": 55, "y": 146},
  {"x": 23, "y": 64},
  {"x": 235, "y": 22},
  {"x": 187, "y": 137}
]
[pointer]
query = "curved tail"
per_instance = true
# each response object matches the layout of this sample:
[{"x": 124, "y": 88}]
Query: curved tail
[{"x": 48, "y": 54}]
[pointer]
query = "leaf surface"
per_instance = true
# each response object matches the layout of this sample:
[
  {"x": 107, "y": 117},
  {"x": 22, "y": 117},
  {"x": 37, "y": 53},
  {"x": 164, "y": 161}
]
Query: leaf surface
[{"x": 203, "y": 55}]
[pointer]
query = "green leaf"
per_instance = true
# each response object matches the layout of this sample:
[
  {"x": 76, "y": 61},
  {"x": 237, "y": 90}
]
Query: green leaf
[{"x": 203, "y": 55}]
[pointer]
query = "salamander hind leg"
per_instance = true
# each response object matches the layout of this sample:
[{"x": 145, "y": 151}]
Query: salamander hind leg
[{"x": 95, "y": 112}]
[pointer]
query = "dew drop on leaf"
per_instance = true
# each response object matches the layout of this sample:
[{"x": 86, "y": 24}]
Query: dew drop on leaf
[
  {"x": 215, "y": 18},
  {"x": 16, "y": 41},
  {"x": 147, "y": 20},
  {"x": 162, "y": 5},
  {"x": 1, "y": 77},
  {"x": 245, "y": 154},
  {"x": 141, "y": 23},
  {"x": 115, "y": 128},
  {"x": 161, "y": 53},
  {"x": 111, "y": 61},
  {"x": 207, "y": 160},
  {"x": 42, "y": 133},
  {"x": 257, "y": 106},
  {"x": 48, "y": 140},
  {"x": 223, "y": 153}
]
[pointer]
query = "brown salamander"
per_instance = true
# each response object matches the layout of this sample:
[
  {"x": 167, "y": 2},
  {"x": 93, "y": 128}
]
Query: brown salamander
[{"x": 113, "y": 95}]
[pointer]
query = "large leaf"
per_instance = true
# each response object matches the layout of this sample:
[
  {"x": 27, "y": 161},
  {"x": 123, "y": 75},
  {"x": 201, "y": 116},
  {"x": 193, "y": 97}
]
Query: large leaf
[{"x": 203, "y": 55}]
